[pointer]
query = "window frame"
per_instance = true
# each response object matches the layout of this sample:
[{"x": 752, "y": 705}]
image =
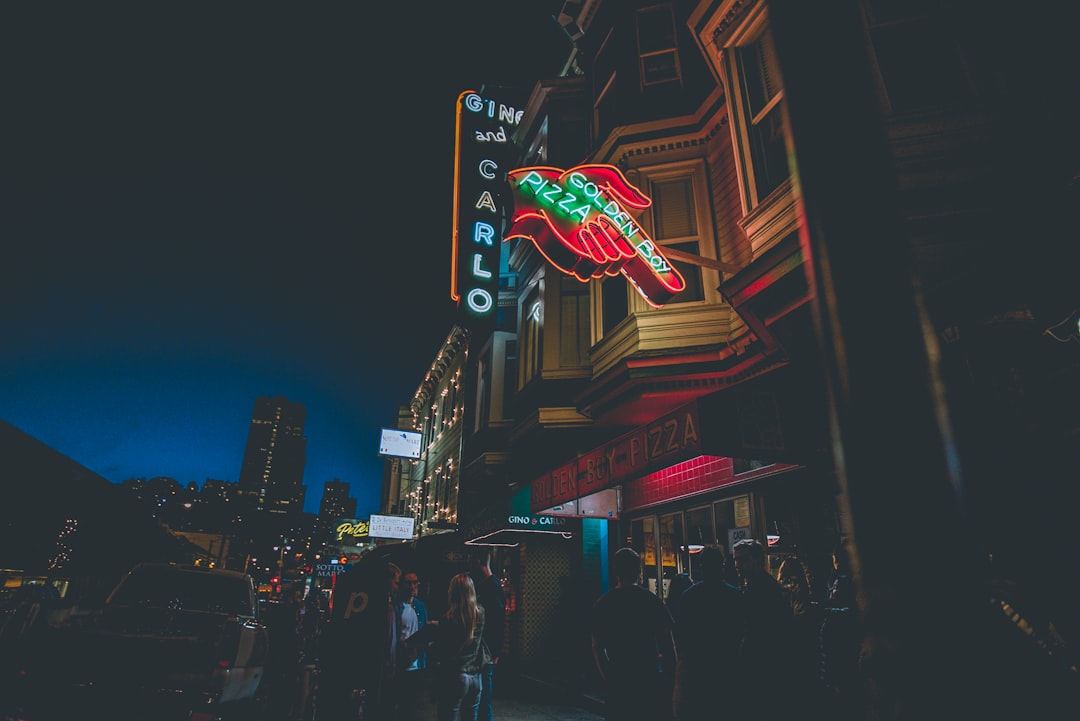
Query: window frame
[
  {"x": 603, "y": 82},
  {"x": 697, "y": 173},
  {"x": 645, "y": 55},
  {"x": 743, "y": 120},
  {"x": 531, "y": 345},
  {"x": 575, "y": 329}
]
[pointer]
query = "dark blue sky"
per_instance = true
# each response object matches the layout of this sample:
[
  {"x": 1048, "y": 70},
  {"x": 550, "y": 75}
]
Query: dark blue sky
[{"x": 201, "y": 206}]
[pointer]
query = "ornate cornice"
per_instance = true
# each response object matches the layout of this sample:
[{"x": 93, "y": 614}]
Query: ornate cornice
[
  {"x": 455, "y": 344},
  {"x": 671, "y": 145},
  {"x": 729, "y": 19},
  {"x": 665, "y": 136}
]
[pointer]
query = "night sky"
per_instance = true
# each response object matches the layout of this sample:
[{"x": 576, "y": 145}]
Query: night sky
[{"x": 199, "y": 206}]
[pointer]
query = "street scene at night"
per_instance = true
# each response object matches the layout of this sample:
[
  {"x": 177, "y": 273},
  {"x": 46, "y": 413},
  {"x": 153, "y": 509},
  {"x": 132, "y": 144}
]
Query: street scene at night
[{"x": 555, "y": 360}]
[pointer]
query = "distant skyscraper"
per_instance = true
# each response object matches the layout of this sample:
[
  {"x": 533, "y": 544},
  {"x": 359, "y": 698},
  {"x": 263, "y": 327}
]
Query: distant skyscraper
[
  {"x": 272, "y": 475},
  {"x": 334, "y": 506},
  {"x": 336, "y": 503}
]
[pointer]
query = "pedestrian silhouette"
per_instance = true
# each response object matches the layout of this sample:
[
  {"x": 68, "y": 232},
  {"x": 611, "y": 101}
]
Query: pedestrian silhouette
[
  {"x": 491, "y": 595},
  {"x": 633, "y": 647},
  {"x": 843, "y": 686},
  {"x": 456, "y": 648},
  {"x": 359, "y": 647},
  {"x": 679, "y": 583},
  {"x": 410, "y": 689},
  {"x": 283, "y": 663},
  {"x": 807, "y": 616},
  {"x": 767, "y": 647},
  {"x": 709, "y": 632}
]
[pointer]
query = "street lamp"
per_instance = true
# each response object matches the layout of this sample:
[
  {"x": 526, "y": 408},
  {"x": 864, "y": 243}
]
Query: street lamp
[{"x": 281, "y": 560}]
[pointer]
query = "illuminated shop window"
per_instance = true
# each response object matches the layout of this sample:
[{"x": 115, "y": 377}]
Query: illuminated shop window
[{"x": 671, "y": 539}]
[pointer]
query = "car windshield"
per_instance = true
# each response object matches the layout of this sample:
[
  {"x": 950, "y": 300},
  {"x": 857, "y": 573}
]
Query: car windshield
[{"x": 188, "y": 590}]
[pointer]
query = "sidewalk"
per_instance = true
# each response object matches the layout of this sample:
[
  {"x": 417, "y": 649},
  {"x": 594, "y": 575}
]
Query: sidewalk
[
  {"x": 529, "y": 685},
  {"x": 521, "y": 697},
  {"x": 512, "y": 708}
]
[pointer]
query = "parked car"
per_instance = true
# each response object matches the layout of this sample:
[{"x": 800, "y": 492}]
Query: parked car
[{"x": 171, "y": 640}]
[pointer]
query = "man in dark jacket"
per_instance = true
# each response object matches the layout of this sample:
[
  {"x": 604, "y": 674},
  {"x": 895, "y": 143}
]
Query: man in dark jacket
[
  {"x": 770, "y": 633},
  {"x": 709, "y": 630},
  {"x": 363, "y": 619},
  {"x": 632, "y": 643},
  {"x": 490, "y": 595}
]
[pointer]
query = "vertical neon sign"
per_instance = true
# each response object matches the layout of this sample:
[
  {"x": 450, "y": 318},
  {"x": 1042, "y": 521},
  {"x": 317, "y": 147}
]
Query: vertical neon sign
[{"x": 482, "y": 152}]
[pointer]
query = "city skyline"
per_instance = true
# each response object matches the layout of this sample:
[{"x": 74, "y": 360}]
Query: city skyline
[
  {"x": 315, "y": 489},
  {"x": 201, "y": 213},
  {"x": 335, "y": 498}
]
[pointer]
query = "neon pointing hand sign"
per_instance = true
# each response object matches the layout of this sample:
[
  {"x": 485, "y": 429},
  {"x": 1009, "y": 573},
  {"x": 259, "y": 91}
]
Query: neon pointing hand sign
[{"x": 580, "y": 220}]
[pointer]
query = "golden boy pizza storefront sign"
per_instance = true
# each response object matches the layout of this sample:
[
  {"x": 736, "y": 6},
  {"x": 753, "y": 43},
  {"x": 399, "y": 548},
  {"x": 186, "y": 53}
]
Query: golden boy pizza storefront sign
[
  {"x": 670, "y": 439},
  {"x": 774, "y": 418}
]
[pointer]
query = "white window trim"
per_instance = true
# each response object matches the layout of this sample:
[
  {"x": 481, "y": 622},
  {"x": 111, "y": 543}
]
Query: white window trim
[
  {"x": 769, "y": 219},
  {"x": 697, "y": 171}
]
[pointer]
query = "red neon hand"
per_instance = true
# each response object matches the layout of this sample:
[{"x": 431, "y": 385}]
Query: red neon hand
[{"x": 578, "y": 219}]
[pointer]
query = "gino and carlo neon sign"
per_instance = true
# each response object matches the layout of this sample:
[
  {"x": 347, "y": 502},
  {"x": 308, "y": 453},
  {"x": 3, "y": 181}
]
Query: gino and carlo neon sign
[
  {"x": 482, "y": 151},
  {"x": 579, "y": 220}
]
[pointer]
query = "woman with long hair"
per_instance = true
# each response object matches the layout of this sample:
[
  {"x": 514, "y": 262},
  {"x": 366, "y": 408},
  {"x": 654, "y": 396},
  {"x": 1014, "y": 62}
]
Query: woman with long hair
[{"x": 456, "y": 652}]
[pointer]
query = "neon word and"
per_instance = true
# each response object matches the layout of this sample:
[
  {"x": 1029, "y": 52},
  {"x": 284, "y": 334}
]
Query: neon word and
[{"x": 578, "y": 219}]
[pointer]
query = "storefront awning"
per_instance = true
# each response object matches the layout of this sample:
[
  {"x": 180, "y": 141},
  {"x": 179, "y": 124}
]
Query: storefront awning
[
  {"x": 514, "y": 536},
  {"x": 517, "y": 524},
  {"x": 777, "y": 418}
]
